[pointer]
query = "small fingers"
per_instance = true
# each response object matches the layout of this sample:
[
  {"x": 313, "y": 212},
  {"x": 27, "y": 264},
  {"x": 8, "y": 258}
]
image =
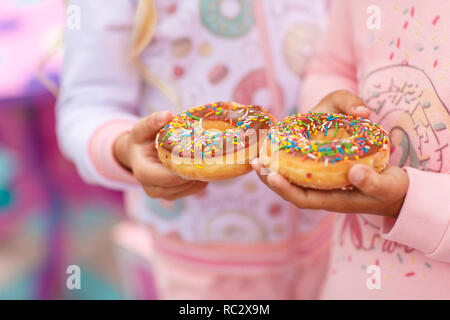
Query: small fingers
[
  {"x": 154, "y": 173},
  {"x": 348, "y": 103},
  {"x": 343, "y": 101},
  {"x": 162, "y": 192},
  {"x": 194, "y": 189},
  {"x": 387, "y": 185},
  {"x": 174, "y": 193},
  {"x": 376, "y": 193},
  {"x": 288, "y": 191},
  {"x": 281, "y": 186},
  {"x": 329, "y": 200},
  {"x": 261, "y": 171}
]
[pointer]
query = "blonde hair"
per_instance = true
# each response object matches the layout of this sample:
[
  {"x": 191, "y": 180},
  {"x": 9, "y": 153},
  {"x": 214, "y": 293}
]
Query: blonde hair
[{"x": 144, "y": 28}]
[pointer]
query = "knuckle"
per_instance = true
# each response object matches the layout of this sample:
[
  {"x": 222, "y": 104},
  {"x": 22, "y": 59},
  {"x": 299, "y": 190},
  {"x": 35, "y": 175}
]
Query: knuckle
[
  {"x": 136, "y": 129},
  {"x": 170, "y": 182},
  {"x": 342, "y": 92},
  {"x": 174, "y": 180},
  {"x": 340, "y": 95},
  {"x": 370, "y": 184},
  {"x": 151, "y": 192},
  {"x": 152, "y": 121},
  {"x": 154, "y": 192},
  {"x": 139, "y": 175}
]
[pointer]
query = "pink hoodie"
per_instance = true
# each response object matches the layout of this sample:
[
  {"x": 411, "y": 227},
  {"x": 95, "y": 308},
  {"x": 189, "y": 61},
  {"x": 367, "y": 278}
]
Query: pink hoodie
[{"x": 395, "y": 55}]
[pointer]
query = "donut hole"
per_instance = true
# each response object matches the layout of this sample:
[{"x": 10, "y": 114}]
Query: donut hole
[
  {"x": 320, "y": 136},
  {"x": 217, "y": 125},
  {"x": 230, "y": 8}
]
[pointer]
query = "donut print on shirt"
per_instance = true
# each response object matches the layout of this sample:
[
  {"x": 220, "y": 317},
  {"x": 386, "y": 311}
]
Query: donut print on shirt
[{"x": 219, "y": 56}]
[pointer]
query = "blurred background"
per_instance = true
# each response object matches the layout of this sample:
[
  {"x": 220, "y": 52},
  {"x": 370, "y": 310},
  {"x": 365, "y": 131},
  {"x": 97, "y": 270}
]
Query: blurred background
[{"x": 50, "y": 219}]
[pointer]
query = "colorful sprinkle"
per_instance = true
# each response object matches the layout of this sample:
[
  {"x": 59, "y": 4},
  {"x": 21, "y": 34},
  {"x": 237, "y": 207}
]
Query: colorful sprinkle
[
  {"x": 296, "y": 134},
  {"x": 435, "y": 20},
  {"x": 186, "y": 135}
]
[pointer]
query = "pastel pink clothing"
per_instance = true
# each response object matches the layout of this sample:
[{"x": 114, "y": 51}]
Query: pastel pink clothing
[
  {"x": 395, "y": 56},
  {"x": 29, "y": 31},
  {"x": 245, "y": 240}
]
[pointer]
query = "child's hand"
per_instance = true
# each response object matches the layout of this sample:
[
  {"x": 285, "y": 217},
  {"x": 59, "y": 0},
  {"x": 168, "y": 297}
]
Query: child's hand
[
  {"x": 344, "y": 102},
  {"x": 136, "y": 151},
  {"x": 375, "y": 193},
  {"x": 380, "y": 194}
]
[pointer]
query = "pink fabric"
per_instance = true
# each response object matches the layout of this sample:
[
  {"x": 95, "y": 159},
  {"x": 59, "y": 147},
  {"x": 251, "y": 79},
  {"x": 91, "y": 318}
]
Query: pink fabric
[
  {"x": 220, "y": 271},
  {"x": 135, "y": 252},
  {"x": 102, "y": 154},
  {"x": 183, "y": 281},
  {"x": 333, "y": 67},
  {"x": 187, "y": 278},
  {"x": 423, "y": 222},
  {"x": 268, "y": 58},
  {"x": 29, "y": 31},
  {"x": 257, "y": 256},
  {"x": 399, "y": 70}
]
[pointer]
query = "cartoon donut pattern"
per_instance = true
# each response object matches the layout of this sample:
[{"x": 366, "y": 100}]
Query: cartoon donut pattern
[
  {"x": 298, "y": 44},
  {"x": 167, "y": 210},
  {"x": 250, "y": 84},
  {"x": 418, "y": 118},
  {"x": 227, "y": 18},
  {"x": 223, "y": 59},
  {"x": 232, "y": 227}
]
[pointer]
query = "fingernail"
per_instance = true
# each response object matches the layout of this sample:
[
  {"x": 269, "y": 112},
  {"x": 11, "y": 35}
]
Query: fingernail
[
  {"x": 161, "y": 117},
  {"x": 273, "y": 179},
  {"x": 357, "y": 176},
  {"x": 361, "y": 109}
]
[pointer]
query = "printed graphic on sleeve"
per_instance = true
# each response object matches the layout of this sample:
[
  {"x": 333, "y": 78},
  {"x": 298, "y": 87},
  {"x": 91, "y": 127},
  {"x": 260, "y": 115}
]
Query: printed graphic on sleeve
[{"x": 412, "y": 110}]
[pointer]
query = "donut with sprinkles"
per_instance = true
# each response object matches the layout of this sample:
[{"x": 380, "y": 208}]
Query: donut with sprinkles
[
  {"x": 213, "y": 142},
  {"x": 316, "y": 150}
]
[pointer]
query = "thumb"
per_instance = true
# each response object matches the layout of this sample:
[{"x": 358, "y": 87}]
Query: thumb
[
  {"x": 343, "y": 101},
  {"x": 383, "y": 185},
  {"x": 148, "y": 127}
]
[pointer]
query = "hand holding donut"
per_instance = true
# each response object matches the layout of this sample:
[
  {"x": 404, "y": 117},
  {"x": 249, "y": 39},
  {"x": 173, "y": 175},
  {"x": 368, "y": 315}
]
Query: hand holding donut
[
  {"x": 136, "y": 151},
  {"x": 343, "y": 101},
  {"x": 376, "y": 193}
]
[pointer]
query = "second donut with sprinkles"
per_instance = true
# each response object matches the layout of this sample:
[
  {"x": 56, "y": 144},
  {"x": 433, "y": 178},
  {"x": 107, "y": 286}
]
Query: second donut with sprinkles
[{"x": 316, "y": 150}]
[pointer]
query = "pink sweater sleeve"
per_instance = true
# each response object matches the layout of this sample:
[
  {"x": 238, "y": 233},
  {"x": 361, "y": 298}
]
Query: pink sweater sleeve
[
  {"x": 333, "y": 67},
  {"x": 424, "y": 220}
]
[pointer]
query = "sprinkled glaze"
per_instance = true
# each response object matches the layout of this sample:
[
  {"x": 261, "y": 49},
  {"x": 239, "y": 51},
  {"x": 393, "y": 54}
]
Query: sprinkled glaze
[
  {"x": 295, "y": 134},
  {"x": 186, "y": 136}
]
